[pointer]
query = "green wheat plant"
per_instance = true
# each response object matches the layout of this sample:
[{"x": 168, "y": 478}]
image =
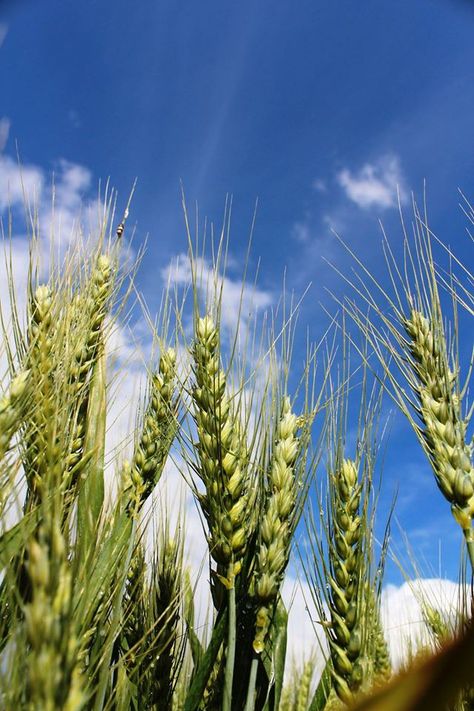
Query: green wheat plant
[
  {"x": 340, "y": 564},
  {"x": 100, "y": 608},
  {"x": 413, "y": 331}
]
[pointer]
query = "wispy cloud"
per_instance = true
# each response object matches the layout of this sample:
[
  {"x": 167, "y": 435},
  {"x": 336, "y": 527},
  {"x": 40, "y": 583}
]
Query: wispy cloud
[
  {"x": 4, "y": 132},
  {"x": 375, "y": 185},
  {"x": 320, "y": 185},
  {"x": 239, "y": 304},
  {"x": 301, "y": 232},
  {"x": 3, "y": 32},
  {"x": 74, "y": 118}
]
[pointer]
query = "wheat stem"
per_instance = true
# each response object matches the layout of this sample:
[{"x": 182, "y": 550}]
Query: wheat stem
[
  {"x": 230, "y": 652},
  {"x": 250, "y": 702}
]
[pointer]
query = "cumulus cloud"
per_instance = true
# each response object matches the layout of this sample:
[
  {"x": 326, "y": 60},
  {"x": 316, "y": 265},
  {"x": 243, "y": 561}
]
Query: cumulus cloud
[
  {"x": 375, "y": 185},
  {"x": 401, "y": 611},
  {"x": 56, "y": 205},
  {"x": 402, "y": 615}
]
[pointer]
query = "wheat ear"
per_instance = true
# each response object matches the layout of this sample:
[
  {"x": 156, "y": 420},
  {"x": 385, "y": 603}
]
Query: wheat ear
[
  {"x": 53, "y": 675},
  {"x": 444, "y": 428},
  {"x": 276, "y": 528},
  {"x": 165, "y": 597},
  {"x": 159, "y": 428},
  {"x": 40, "y": 460},
  {"x": 376, "y": 646},
  {"x": 222, "y": 467},
  {"x": 344, "y": 633},
  {"x": 11, "y": 410},
  {"x": 222, "y": 454},
  {"x": 88, "y": 312},
  {"x": 302, "y": 697}
]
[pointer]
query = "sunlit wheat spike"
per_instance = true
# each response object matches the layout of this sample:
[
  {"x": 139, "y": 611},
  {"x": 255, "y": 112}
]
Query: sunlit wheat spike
[
  {"x": 52, "y": 666},
  {"x": 158, "y": 431},
  {"x": 414, "y": 330},
  {"x": 87, "y": 315},
  {"x": 11, "y": 410},
  {"x": 377, "y": 653},
  {"x": 40, "y": 435},
  {"x": 276, "y": 528},
  {"x": 444, "y": 428},
  {"x": 222, "y": 451},
  {"x": 344, "y": 631}
]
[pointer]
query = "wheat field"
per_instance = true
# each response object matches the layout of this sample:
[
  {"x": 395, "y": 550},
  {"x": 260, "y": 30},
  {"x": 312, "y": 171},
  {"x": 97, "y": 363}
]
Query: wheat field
[{"x": 98, "y": 607}]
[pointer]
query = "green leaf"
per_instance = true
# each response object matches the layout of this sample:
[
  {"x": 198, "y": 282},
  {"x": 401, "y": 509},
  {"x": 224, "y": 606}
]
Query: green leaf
[
  {"x": 91, "y": 489},
  {"x": 197, "y": 650},
  {"x": 100, "y": 574},
  {"x": 125, "y": 691},
  {"x": 198, "y": 684},
  {"x": 13, "y": 541},
  {"x": 323, "y": 690},
  {"x": 280, "y": 638}
]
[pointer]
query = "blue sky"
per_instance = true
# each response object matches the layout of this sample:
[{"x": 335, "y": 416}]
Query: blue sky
[{"x": 318, "y": 109}]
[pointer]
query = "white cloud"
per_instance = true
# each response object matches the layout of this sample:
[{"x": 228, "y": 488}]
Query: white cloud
[
  {"x": 402, "y": 615},
  {"x": 402, "y": 618},
  {"x": 18, "y": 182},
  {"x": 26, "y": 186},
  {"x": 238, "y": 304},
  {"x": 375, "y": 184},
  {"x": 75, "y": 181}
]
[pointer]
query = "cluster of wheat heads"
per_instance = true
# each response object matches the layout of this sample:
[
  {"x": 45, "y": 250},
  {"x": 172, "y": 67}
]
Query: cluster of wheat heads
[{"x": 95, "y": 613}]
